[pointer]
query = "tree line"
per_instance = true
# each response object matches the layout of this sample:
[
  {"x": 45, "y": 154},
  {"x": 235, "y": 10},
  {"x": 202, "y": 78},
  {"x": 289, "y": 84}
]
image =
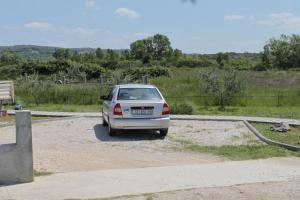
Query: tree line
[{"x": 146, "y": 56}]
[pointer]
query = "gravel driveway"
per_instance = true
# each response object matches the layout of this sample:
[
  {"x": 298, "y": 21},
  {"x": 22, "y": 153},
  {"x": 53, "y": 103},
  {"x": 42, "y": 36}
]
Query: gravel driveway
[{"x": 82, "y": 144}]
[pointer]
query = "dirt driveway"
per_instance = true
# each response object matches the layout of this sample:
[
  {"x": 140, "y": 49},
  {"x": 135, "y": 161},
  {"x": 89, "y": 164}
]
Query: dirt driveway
[{"x": 82, "y": 144}]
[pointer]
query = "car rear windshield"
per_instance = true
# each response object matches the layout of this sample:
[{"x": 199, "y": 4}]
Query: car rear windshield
[{"x": 138, "y": 94}]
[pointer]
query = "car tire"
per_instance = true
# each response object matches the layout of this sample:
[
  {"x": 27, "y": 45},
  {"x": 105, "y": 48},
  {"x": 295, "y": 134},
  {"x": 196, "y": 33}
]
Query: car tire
[
  {"x": 163, "y": 132},
  {"x": 111, "y": 131}
]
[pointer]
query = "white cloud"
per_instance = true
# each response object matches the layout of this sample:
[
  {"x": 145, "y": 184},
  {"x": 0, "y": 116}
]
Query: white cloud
[
  {"x": 125, "y": 12},
  {"x": 281, "y": 20},
  {"x": 233, "y": 17},
  {"x": 38, "y": 25}
]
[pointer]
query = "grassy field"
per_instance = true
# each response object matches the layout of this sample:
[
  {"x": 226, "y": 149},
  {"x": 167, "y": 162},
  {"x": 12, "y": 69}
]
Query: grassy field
[
  {"x": 279, "y": 112},
  {"x": 241, "y": 152},
  {"x": 290, "y": 137},
  {"x": 66, "y": 107},
  {"x": 268, "y": 94}
]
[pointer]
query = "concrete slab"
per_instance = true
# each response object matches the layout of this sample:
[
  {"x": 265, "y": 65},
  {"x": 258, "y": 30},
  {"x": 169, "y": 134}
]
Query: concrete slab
[{"x": 109, "y": 183}]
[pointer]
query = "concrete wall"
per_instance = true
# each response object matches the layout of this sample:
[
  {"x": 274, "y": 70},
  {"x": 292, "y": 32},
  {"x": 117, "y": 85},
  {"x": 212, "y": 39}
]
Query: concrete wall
[{"x": 16, "y": 160}]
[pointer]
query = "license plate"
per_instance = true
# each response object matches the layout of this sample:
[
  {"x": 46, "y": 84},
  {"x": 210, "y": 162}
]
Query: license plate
[{"x": 142, "y": 111}]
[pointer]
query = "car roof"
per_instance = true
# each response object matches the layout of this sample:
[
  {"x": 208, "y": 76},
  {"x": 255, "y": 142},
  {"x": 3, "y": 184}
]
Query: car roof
[{"x": 135, "y": 86}]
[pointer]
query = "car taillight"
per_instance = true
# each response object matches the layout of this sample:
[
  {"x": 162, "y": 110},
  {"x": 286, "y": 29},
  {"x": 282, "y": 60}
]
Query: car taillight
[
  {"x": 166, "y": 109},
  {"x": 117, "y": 109}
]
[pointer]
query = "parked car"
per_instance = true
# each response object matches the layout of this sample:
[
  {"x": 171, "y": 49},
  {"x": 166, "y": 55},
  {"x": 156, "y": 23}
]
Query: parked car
[{"x": 135, "y": 106}]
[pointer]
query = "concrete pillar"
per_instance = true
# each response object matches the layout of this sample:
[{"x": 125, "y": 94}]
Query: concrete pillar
[{"x": 16, "y": 160}]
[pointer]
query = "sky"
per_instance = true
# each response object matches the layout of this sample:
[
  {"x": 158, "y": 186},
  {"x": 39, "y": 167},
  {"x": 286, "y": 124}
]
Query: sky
[{"x": 207, "y": 26}]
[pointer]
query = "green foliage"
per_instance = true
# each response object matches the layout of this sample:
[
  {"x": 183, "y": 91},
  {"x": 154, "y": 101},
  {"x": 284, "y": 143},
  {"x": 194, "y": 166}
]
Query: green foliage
[
  {"x": 61, "y": 54},
  {"x": 99, "y": 54},
  {"x": 222, "y": 59},
  {"x": 46, "y": 92},
  {"x": 41, "y": 173},
  {"x": 238, "y": 152},
  {"x": 156, "y": 47},
  {"x": 223, "y": 85},
  {"x": 152, "y": 72},
  {"x": 282, "y": 53},
  {"x": 8, "y": 57},
  {"x": 193, "y": 62},
  {"x": 126, "y": 64},
  {"x": 291, "y": 137},
  {"x": 182, "y": 108}
]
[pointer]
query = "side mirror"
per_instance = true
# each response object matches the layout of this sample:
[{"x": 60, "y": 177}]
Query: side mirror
[{"x": 104, "y": 98}]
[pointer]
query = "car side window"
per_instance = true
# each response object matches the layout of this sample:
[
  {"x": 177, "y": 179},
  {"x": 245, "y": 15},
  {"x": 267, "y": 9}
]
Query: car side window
[{"x": 111, "y": 94}]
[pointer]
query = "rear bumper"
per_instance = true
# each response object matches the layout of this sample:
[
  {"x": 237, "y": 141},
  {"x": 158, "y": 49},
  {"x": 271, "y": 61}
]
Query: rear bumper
[{"x": 126, "y": 123}]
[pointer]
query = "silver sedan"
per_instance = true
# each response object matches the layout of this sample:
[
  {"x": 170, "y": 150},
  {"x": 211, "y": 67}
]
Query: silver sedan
[{"x": 135, "y": 106}]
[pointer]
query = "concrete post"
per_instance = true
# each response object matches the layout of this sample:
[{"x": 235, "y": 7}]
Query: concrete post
[
  {"x": 145, "y": 79},
  {"x": 16, "y": 160}
]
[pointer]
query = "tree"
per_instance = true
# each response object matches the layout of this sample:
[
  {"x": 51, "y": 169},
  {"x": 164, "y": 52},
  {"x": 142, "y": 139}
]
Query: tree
[
  {"x": 223, "y": 85},
  {"x": 111, "y": 59},
  {"x": 177, "y": 54},
  {"x": 61, "y": 54},
  {"x": 142, "y": 50},
  {"x": 99, "y": 54},
  {"x": 161, "y": 46},
  {"x": 282, "y": 53},
  {"x": 156, "y": 47},
  {"x": 125, "y": 55},
  {"x": 76, "y": 57},
  {"x": 222, "y": 59},
  {"x": 8, "y": 57}
]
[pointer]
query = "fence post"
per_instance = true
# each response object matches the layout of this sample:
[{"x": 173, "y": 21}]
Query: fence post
[
  {"x": 84, "y": 77},
  {"x": 101, "y": 80},
  {"x": 278, "y": 100},
  {"x": 101, "y": 84},
  {"x": 145, "y": 79}
]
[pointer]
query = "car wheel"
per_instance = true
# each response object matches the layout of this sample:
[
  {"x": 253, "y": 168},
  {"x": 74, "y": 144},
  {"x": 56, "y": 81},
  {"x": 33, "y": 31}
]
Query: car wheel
[
  {"x": 163, "y": 132},
  {"x": 111, "y": 132}
]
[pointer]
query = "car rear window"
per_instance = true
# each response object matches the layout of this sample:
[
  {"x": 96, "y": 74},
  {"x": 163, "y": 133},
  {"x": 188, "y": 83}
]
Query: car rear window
[{"x": 138, "y": 94}]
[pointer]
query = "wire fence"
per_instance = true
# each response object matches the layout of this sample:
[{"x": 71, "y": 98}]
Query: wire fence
[{"x": 87, "y": 93}]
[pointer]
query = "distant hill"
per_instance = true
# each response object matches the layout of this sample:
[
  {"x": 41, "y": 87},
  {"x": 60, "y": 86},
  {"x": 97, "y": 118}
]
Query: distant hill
[{"x": 41, "y": 52}]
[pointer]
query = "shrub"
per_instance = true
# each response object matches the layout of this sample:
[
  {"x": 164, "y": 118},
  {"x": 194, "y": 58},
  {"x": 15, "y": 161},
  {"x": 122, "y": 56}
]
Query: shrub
[
  {"x": 153, "y": 72},
  {"x": 222, "y": 85},
  {"x": 260, "y": 67},
  {"x": 182, "y": 108},
  {"x": 193, "y": 62}
]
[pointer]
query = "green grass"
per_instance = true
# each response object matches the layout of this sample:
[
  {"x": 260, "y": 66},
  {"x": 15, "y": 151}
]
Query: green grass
[
  {"x": 65, "y": 107},
  {"x": 291, "y": 137},
  {"x": 260, "y": 97},
  {"x": 12, "y": 118},
  {"x": 240, "y": 152},
  {"x": 257, "y": 111},
  {"x": 41, "y": 173}
]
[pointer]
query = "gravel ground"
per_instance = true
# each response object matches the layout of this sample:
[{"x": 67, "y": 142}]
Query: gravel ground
[{"x": 82, "y": 144}]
